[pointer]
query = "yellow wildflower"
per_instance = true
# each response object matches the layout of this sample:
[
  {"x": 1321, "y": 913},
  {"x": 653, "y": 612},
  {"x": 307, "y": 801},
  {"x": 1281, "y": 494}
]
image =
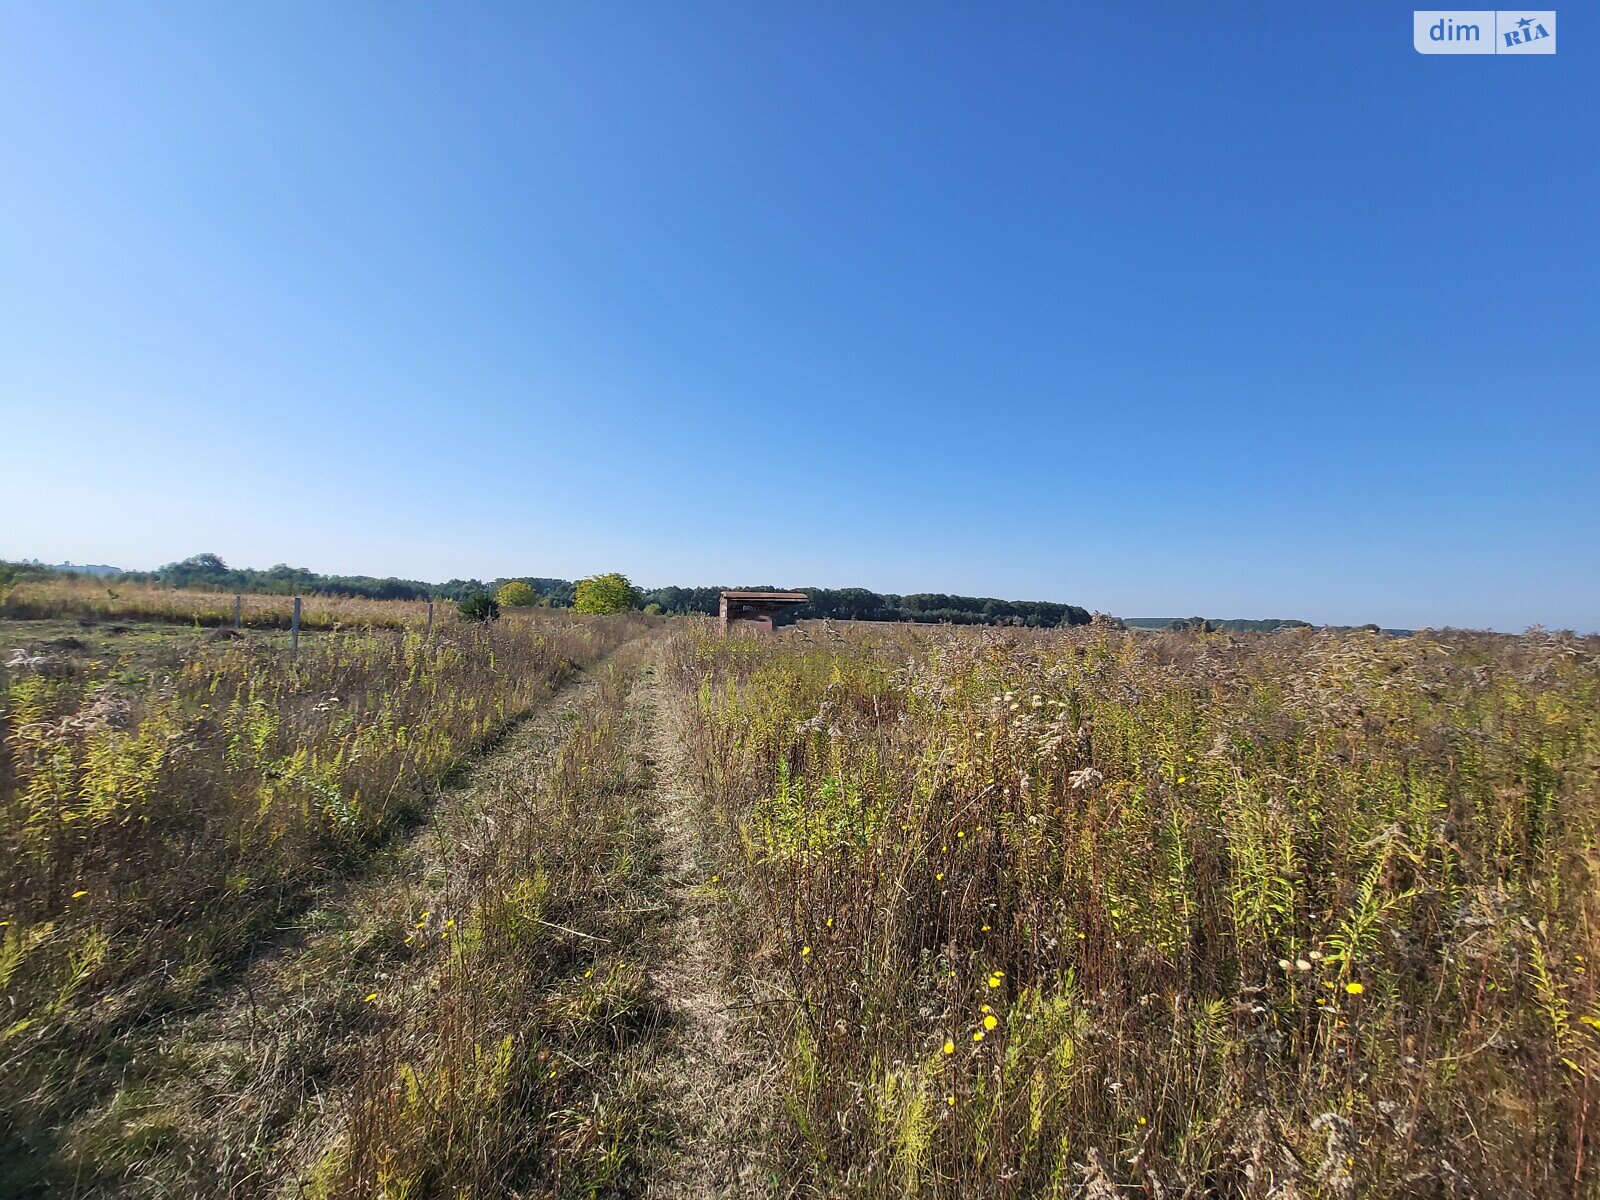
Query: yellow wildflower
[
  {"x": 370, "y": 997},
  {"x": 990, "y": 1022},
  {"x": 804, "y": 950},
  {"x": 949, "y": 1047},
  {"x": 1355, "y": 989}
]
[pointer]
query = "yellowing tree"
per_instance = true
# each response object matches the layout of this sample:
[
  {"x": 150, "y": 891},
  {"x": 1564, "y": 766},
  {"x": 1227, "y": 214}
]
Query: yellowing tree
[
  {"x": 605, "y": 594},
  {"x": 516, "y": 594}
]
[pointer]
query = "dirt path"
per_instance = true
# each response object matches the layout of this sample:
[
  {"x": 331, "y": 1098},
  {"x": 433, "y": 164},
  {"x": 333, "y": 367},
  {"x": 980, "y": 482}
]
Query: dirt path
[
  {"x": 246, "y": 1097},
  {"x": 706, "y": 1070},
  {"x": 241, "y": 1096}
]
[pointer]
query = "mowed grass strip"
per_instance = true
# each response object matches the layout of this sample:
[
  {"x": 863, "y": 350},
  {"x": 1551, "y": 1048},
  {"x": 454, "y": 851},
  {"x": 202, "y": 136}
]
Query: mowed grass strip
[{"x": 510, "y": 1059}]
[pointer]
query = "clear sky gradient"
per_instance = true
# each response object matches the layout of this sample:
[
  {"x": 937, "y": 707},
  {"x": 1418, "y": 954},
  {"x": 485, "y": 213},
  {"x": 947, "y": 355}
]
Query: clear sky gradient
[{"x": 1161, "y": 309}]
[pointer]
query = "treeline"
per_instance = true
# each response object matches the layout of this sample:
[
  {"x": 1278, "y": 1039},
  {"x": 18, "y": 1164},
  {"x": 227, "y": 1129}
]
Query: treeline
[
  {"x": 842, "y": 604},
  {"x": 859, "y": 604},
  {"x": 210, "y": 572},
  {"x": 1236, "y": 625},
  {"x": 1214, "y": 625}
]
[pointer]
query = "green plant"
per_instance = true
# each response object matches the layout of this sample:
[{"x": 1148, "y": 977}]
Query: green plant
[
  {"x": 164, "y": 812},
  {"x": 480, "y": 606},
  {"x": 511, "y": 1063},
  {"x": 605, "y": 594},
  {"x": 1166, "y": 912},
  {"x": 516, "y": 594}
]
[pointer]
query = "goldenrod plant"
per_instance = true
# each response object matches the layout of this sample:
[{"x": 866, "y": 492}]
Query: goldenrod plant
[
  {"x": 1183, "y": 913},
  {"x": 165, "y": 803}
]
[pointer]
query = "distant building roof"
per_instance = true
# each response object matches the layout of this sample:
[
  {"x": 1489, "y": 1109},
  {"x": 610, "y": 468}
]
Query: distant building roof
[{"x": 773, "y": 597}]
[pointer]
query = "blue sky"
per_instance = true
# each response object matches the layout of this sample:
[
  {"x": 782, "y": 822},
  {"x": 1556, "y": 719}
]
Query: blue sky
[{"x": 1158, "y": 308}]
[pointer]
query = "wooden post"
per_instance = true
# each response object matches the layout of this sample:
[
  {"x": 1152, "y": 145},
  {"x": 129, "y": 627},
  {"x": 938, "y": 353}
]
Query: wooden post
[
  {"x": 428, "y": 632},
  {"x": 238, "y": 601},
  {"x": 294, "y": 628}
]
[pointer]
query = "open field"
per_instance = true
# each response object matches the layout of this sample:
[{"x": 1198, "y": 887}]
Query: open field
[
  {"x": 96, "y": 600},
  {"x": 791, "y": 601},
  {"x": 1166, "y": 914},
  {"x": 166, "y": 802},
  {"x": 614, "y": 906}
]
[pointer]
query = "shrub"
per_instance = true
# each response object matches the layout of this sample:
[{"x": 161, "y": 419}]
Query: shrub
[
  {"x": 480, "y": 606},
  {"x": 516, "y": 594},
  {"x": 606, "y": 594}
]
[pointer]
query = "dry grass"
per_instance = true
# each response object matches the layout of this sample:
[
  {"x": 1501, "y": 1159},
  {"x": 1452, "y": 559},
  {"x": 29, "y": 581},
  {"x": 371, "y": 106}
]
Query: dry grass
[
  {"x": 90, "y": 600},
  {"x": 160, "y": 817},
  {"x": 512, "y": 1051},
  {"x": 1167, "y": 915},
  {"x": 1068, "y": 913}
]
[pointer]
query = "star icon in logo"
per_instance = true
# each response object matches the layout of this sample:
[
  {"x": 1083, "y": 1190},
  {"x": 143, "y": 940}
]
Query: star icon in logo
[{"x": 1525, "y": 22}]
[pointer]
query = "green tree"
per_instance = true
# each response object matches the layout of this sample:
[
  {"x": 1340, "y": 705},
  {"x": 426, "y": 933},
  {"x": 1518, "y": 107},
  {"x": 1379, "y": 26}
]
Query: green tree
[
  {"x": 480, "y": 606},
  {"x": 516, "y": 594},
  {"x": 605, "y": 594}
]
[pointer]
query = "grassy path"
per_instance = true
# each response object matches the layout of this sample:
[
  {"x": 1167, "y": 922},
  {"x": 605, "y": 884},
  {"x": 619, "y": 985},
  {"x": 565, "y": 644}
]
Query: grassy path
[
  {"x": 705, "y": 1074},
  {"x": 236, "y": 1098},
  {"x": 528, "y": 995}
]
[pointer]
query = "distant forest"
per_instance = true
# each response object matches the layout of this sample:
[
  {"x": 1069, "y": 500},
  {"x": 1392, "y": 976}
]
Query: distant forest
[
  {"x": 1204, "y": 625},
  {"x": 858, "y": 604},
  {"x": 852, "y": 604}
]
